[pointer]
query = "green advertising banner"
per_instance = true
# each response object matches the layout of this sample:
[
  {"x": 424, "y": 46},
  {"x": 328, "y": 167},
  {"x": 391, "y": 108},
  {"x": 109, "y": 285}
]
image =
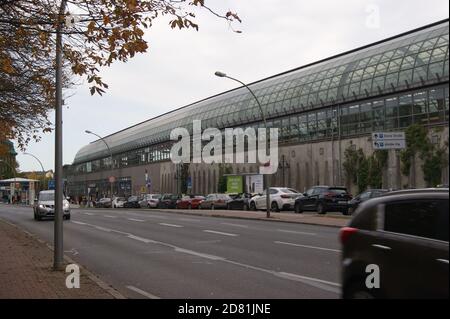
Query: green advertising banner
[{"x": 235, "y": 184}]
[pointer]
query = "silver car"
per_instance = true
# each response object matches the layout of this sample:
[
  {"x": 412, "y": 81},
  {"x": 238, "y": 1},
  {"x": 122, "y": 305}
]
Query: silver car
[
  {"x": 44, "y": 206},
  {"x": 150, "y": 200}
]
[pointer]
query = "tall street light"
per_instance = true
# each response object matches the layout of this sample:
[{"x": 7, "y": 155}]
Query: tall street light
[
  {"x": 58, "y": 257},
  {"x": 111, "y": 156},
  {"x": 223, "y": 75},
  {"x": 43, "y": 172}
]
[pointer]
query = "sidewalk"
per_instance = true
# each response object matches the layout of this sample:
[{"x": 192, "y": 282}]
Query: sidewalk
[
  {"x": 26, "y": 271},
  {"x": 322, "y": 220}
]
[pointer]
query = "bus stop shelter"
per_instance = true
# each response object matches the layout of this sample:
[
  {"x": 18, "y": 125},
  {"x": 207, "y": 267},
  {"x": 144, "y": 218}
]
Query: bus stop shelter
[{"x": 18, "y": 190}]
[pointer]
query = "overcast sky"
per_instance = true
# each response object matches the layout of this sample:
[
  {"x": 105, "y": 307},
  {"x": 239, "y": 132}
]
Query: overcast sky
[{"x": 178, "y": 69}]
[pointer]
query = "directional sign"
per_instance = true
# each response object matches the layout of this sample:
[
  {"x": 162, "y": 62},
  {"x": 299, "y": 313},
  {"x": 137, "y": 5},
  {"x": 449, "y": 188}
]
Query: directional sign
[
  {"x": 51, "y": 184},
  {"x": 388, "y": 140}
]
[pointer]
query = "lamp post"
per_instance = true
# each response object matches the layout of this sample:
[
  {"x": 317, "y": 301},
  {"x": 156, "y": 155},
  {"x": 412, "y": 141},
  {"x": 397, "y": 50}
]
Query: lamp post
[
  {"x": 110, "y": 154},
  {"x": 223, "y": 75},
  {"x": 43, "y": 172},
  {"x": 14, "y": 172}
]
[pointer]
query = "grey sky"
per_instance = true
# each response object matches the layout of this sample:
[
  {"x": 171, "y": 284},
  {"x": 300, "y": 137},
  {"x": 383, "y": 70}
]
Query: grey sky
[{"x": 179, "y": 67}]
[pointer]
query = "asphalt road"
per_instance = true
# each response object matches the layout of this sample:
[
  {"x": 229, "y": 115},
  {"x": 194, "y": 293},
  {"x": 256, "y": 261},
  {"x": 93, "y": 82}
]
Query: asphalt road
[{"x": 152, "y": 254}]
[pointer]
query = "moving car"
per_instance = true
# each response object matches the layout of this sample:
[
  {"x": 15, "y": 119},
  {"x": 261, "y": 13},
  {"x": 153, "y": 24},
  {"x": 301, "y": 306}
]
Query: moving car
[
  {"x": 324, "y": 199},
  {"x": 281, "y": 198},
  {"x": 118, "y": 202},
  {"x": 44, "y": 206},
  {"x": 150, "y": 201},
  {"x": 371, "y": 193},
  {"x": 189, "y": 202},
  {"x": 240, "y": 202},
  {"x": 103, "y": 203},
  {"x": 405, "y": 235},
  {"x": 213, "y": 201},
  {"x": 132, "y": 202},
  {"x": 168, "y": 201}
]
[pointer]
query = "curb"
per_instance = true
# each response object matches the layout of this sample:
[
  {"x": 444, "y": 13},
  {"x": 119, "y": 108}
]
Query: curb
[{"x": 106, "y": 287}]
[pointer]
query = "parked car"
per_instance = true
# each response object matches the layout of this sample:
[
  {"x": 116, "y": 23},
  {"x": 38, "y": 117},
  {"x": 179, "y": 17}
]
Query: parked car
[
  {"x": 168, "y": 201},
  {"x": 281, "y": 198},
  {"x": 118, "y": 202},
  {"x": 150, "y": 200},
  {"x": 240, "y": 202},
  {"x": 44, "y": 206},
  {"x": 190, "y": 202},
  {"x": 324, "y": 199},
  {"x": 213, "y": 201},
  {"x": 405, "y": 234},
  {"x": 132, "y": 202},
  {"x": 371, "y": 193},
  {"x": 104, "y": 202}
]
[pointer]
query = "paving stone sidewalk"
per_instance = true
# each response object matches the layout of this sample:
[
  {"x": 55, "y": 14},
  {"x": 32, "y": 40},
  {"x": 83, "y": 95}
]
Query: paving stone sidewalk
[{"x": 26, "y": 271}]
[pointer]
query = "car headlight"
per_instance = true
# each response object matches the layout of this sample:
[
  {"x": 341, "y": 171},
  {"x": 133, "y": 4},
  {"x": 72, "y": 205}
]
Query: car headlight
[
  {"x": 41, "y": 206},
  {"x": 66, "y": 205}
]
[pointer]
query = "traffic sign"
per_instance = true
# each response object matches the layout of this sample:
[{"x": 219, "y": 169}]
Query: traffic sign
[
  {"x": 51, "y": 184},
  {"x": 388, "y": 140}
]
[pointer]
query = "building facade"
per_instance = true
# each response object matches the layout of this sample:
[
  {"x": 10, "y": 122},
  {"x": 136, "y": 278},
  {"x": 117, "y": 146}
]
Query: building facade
[{"x": 321, "y": 109}]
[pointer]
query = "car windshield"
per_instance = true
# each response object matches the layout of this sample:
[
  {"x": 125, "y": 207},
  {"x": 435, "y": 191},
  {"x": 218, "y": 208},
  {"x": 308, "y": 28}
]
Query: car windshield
[
  {"x": 47, "y": 196},
  {"x": 338, "y": 190},
  {"x": 121, "y": 199},
  {"x": 156, "y": 196},
  {"x": 132, "y": 198},
  {"x": 288, "y": 191}
]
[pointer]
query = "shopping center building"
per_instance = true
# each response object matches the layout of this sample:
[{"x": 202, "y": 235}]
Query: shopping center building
[{"x": 321, "y": 109}]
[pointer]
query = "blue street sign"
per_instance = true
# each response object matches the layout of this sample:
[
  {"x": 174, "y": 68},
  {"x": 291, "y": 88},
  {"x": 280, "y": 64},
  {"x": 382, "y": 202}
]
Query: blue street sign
[
  {"x": 51, "y": 184},
  {"x": 189, "y": 182}
]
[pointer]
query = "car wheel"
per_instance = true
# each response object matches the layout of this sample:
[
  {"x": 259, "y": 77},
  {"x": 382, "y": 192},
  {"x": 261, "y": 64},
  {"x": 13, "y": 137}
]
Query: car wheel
[
  {"x": 298, "y": 208},
  {"x": 321, "y": 209},
  {"x": 252, "y": 206},
  {"x": 274, "y": 207}
]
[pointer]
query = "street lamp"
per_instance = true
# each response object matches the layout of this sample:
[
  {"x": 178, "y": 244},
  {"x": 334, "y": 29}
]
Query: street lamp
[
  {"x": 43, "y": 172},
  {"x": 110, "y": 154},
  {"x": 224, "y": 75},
  {"x": 14, "y": 172}
]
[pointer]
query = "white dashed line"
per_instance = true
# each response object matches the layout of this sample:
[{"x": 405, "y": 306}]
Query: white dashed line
[
  {"x": 306, "y": 246},
  {"x": 143, "y": 293},
  {"x": 219, "y": 233},
  {"x": 79, "y": 223},
  {"x": 170, "y": 225},
  {"x": 136, "y": 220},
  {"x": 235, "y": 225},
  {"x": 103, "y": 228},
  {"x": 109, "y": 216},
  {"x": 296, "y": 232}
]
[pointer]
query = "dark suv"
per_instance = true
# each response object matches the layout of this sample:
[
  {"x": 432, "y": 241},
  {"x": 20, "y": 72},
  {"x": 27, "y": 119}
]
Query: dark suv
[
  {"x": 405, "y": 235},
  {"x": 323, "y": 199},
  {"x": 168, "y": 201}
]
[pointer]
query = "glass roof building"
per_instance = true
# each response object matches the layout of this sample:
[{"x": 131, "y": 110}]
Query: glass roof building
[
  {"x": 387, "y": 85},
  {"x": 415, "y": 59}
]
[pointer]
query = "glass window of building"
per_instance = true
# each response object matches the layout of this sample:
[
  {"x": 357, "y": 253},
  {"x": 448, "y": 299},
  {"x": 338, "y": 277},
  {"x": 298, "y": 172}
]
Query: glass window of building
[
  {"x": 405, "y": 110},
  {"x": 436, "y": 106},
  {"x": 420, "y": 115}
]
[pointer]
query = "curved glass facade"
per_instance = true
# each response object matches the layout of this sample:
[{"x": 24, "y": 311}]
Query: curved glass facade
[{"x": 353, "y": 93}]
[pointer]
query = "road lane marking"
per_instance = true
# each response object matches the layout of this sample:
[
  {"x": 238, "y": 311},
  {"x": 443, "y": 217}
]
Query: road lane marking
[
  {"x": 318, "y": 283},
  {"x": 79, "y": 223},
  {"x": 296, "y": 232},
  {"x": 103, "y": 228},
  {"x": 307, "y": 246},
  {"x": 235, "y": 225},
  {"x": 143, "y": 293},
  {"x": 90, "y": 214},
  {"x": 220, "y": 233},
  {"x": 136, "y": 220},
  {"x": 145, "y": 240},
  {"x": 189, "y": 220},
  {"x": 170, "y": 225},
  {"x": 314, "y": 282},
  {"x": 109, "y": 216},
  {"x": 202, "y": 255}
]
